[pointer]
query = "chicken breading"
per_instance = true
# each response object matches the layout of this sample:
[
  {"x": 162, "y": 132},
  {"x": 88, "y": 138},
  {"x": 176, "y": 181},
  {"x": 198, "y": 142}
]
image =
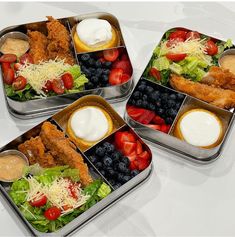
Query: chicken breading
[
  {"x": 60, "y": 146},
  {"x": 215, "y": 96},
  {"x": 219, "y": 77}
]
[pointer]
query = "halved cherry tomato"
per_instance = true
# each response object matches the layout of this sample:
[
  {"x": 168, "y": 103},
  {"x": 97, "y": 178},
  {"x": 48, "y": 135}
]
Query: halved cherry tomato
[
  {"x": 26, "y": 58},
  {"x": 8, "y": 76},
  {"x": 8, "y": 58},
  {"x": 48, "y": 86},
  {"x": 176, "y": 57},
  {"x": 193, "y": 35},
  {"x": 19, "y": 83},
  {"x": 173, "y": 42},
  {"x": 17, "y": 66},
  {"x": 111, "y": 55},
  {"x": 178, "y": 34},
  {"x": 211, "y": 48},
  {"x": 155, "y": 73},
  {"x": 41, "y": 201},
  {"x": 58, "y": 86},
  {"x": 52, "y": 213},
  {"x": 115, "y": 76},
  {"x": 68, "y": 80}
]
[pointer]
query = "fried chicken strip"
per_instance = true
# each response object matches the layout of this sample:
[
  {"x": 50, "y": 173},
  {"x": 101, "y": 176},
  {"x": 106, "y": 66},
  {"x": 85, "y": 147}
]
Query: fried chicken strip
[
  {"x": 35, "y": 151},
  {"x": 219, "y": 77},
  {"x": 59, "y": 41},
  {"x": 38, "y": 46},
  {"x": 63, "y": 152},
  {"x": 215, "y": 96}
]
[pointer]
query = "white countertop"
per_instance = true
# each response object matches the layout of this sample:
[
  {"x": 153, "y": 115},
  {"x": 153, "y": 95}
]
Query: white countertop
[{"x": 180, "y": 199}]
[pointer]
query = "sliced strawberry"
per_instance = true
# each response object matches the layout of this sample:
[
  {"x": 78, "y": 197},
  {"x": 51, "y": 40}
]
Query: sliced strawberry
[
  {"x": 125, "y": 57},
  {"x": 141, "y": 164},
  {"x": 158, "y": 120},
  {"x": 165, "y": 128},
  {"x": 147, "y": 117},
  {"x": 139, "y": 148},
  {"x": 102, "y": 60},
  {"x": 135, "y": 112},
  {"x": 144, "y": 155},
  {"x": 125, "y": 78},
  {"x": 121, "y": 137},
  {"x": 115, "y": 76},
  {"x": 133, "y": 165},
  {"x": 111, "y": 54},
  {"x": 132, "y": 156},
  {"x": 154, "y": 126},
  {"x": 128, "y": 147},
  {"x": 124, "y": 65}
]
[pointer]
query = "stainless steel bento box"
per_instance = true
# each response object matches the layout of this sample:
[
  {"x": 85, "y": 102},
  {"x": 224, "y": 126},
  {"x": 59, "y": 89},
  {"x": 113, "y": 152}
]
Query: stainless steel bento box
[
  {"x": 167, "y": 140},
  {"x": 60, "y": 120},
  {"x": 49, "y": 105}
]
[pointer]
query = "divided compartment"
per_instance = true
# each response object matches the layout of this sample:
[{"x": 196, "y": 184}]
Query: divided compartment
[{"x": 45, "y": 106}]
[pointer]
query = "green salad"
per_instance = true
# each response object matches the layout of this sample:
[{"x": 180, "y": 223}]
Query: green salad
[
  {"x": 185, "y": 53},
  {"x": 52, "y": 197}
]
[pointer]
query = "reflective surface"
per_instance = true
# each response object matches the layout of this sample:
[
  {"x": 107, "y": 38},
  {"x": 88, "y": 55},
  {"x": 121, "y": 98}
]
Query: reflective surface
[{"x": 179, "y": 199}]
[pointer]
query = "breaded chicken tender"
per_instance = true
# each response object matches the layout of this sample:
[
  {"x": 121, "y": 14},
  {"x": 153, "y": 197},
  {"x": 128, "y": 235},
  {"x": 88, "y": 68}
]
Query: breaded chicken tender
[
  {"x": 60, "y": 146},
  {"x": 215, "y": 96}
]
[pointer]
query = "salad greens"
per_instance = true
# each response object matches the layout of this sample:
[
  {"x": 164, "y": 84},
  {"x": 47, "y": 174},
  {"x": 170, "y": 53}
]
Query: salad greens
[{"x": 97, "y": 190}]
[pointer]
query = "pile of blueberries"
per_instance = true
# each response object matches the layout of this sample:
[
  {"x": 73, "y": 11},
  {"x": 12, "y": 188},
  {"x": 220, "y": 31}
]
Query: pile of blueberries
[
  {"x": 112, "y": 164},
  {"x": 165, "y": 103},
  {"x": 96, "y": 71}
]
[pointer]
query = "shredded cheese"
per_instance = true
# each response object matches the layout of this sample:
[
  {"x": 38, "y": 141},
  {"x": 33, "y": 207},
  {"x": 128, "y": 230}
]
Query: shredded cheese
[
  {"x": 58, "y": 193},
  {"x": 38, "y": 74},
  {"x": 192, "y": 47}
]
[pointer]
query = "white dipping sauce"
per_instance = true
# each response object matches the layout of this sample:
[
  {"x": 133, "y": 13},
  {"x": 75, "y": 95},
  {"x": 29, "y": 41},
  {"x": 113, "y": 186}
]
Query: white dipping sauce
[
  {"x": 200, "y": 128},
  {"x": 89, "y": 124}
]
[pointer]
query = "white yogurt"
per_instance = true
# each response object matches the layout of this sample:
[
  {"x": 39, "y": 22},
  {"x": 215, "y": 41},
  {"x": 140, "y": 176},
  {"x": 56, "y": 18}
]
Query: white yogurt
[
  {"x": 200, "y": 128},
  {"x": 89, "y": 124},
  {"x": 94, "y": 31}
]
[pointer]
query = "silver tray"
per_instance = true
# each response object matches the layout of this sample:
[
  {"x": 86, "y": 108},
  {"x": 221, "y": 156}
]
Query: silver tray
[
  {"x": 174, "y": 145},
  {"x": 46, "y": 106},
  {"x": 99, "y": 207}
]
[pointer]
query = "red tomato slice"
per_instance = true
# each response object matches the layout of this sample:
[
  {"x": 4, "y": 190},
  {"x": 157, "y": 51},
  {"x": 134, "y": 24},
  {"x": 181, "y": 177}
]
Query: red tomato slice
[
  {"x": 173, "y": 42},
  {"x": 178, "y": 34},
  {"x": 211, "y": 48},
  {"x": 8, "y": 76},
  {"x": 41, "y": 201},
  {"x": 19, "y": 83},
  {"x": 115, "y": 76},
  {"x": 111, "y": 54},
  {"x": 176, "y": 57},
  {"x": 155, "y": 73},
  {"x": 193, "y": 35},
  {"x": 67, "y": 78},
  {"x": 52, "y": 213},
  {"x": 47, "y": 87},
  {"x": 17, "y": 66},
  {"x": 58, "y": 86},
  {"x": 26, "y": 58},
  {"x": 8, "y": 58},
  {"x": 139, "y": 148},
  {"x": 128, "y": 147}
]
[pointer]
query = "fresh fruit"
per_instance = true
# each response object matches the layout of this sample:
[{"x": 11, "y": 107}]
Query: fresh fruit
[
  {"x": 147, "y": 117},
  {"x": 26, "y": 58},
  {"x": 111, "y": 54},
  {"x": 121, "y": 137},
  {"x": 115, "y": 76},
  {"x": 141, "y": 164},
  {"x": 139, "y": 148},
  {"x": 8, "y": 76},
  {"x": 165, "y": 128},
  {"x": 155, "y": 73},
  {"x": 211, "y": 48},
  {"x": 52, "y": 213},
  {"x": 8, "y": 58},
  {"x": 128, "y": 147},
  {"x": 176, "y": 57},
  {"x": 39, "y": 202},
  {"x": 124, "y": 65},
  {"x": 178, "y": 34},
  {"x": 192, "y": 35},
  {"x": 158, "y": 120},
  {"x": 58, "y": 86},
  {"x": 19, "y": 83},
  {"x": 125, "y": 78},
  {"x": 125, "y": 57},
  {"x": 135, "y": 112},
  {"x": 67, "y": 80}
]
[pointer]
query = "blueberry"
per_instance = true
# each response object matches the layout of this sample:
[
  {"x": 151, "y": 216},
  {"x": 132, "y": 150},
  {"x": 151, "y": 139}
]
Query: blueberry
[
  {"x": 111, "y": 172},
  {"x": 94, "y": 79},
  {"x": 139, "y": 103},
  {"x": 126, "y": 161},
  {"x": 87, "y": 72},
  {"x": 91, "y": 62},
  {"x": 98, "y": 64},
  {"x": 99, "y": 72},
  {"x": 134, "y": 173},
  {"x": 170, "y": 103},
  {"x": 122, "y": 167},
  {"x": 112, "y": 182},
  {"x": 145, "y": 97},
  {"x": 92, "y": 71},
  {"x": 145, "y": 104},
  {"x": 93, "y": 159},
  {"x": 154, "y": 96},
  {"x": 177, "y": 106},
  {"x": 120, "y": 177},
  {"x": 136, "y": 95},
  {"x": 158, "y": 104},
  {"x": 107, "y": 64},
  {"x": 106, "y": 71},
  {"x": 164, "y": 96},
  {"x": 83, "y": 68},
  {"x": 143, "y": 82},
  {"x": 116, "y": 155},
  {"x": 102, "y": 172},
  {"x": 151, "y": 106},
  {"x": 98, "y": 165},
  {"x": 104, "y": 78},
  {"x": 85, "y": 57},
  {"x": 107, "y": 161},
  {"x": 141, "y": 88},
  {"x": 172, "y": 97},
  {"x": 132, "y": 102},
  {"x": 172, "y": 112},
  {"x": 160, "y": 111},
  {"x": 89, "y": 85},
  {"x": 149, "y": 89},
  {"x": 180, "y": 96},
  {"x": 110, "y": 148},
  {"x": 169, "y": 120},
  {"x": 117, "y": 185},
  {"x": 100, "y": 151},
  {"x": 126, "y": 178}
]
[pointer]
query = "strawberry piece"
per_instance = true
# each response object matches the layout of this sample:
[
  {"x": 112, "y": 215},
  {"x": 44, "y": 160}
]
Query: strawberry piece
[
  {"x": 154, "y": 126},
  {"x": 133, "y": 165},
  {"x": 135, "y": 112},
  {"x": 139, "y": 148},
  {"x": 125, "y": 77},
  {"x": 128, "y": 147},
  {"x": 165, "y": 128},
  {"x": 158, "y": 120},
  {"x": 124, "y": 65},
  {"x": 125, "y": 57},
  {"x": 115, "y": 76},
  {"x": 132, "y": 156},
  {"x": 144, "y": 155},
  {"x": 147, "y": 117},
  {"x": 121, "y": 137},
  {"x": 141, "y": 164}
]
